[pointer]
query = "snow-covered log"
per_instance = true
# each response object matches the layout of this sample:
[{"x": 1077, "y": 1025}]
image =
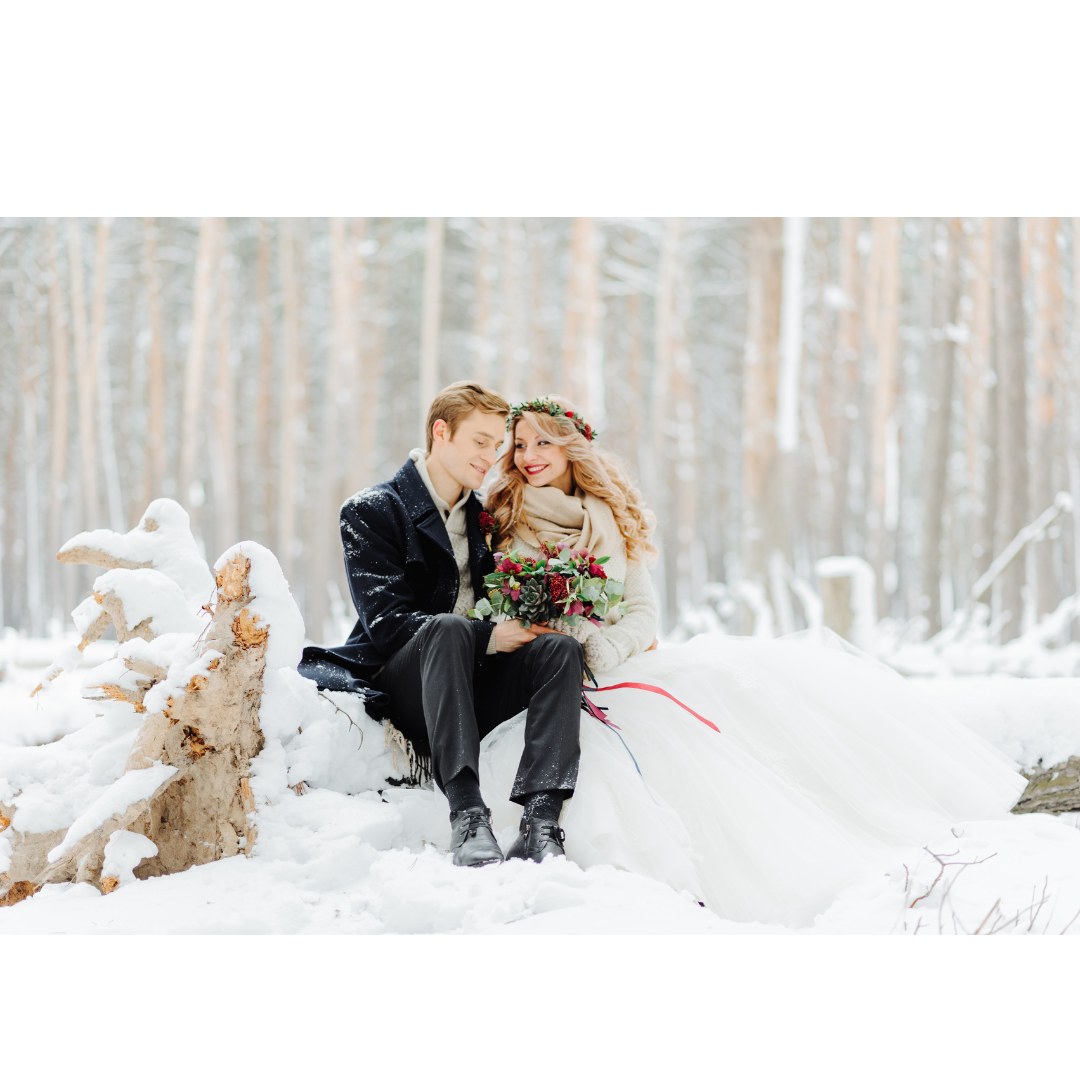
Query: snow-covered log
[{"x": 1051, "y": 791}]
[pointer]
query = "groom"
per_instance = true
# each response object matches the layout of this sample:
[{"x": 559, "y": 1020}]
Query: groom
[{"x": 416, "y": 561}]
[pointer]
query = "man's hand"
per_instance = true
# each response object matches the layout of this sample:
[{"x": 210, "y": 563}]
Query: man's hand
[{"x": 510, "y": 636}]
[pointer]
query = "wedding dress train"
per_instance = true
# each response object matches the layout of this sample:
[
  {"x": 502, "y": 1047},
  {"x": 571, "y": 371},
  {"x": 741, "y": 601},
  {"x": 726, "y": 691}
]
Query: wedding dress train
[{"x": 825, "y": 762}]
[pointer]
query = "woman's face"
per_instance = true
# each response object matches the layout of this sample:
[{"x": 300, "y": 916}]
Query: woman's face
[{"x": 539, "y": 460}]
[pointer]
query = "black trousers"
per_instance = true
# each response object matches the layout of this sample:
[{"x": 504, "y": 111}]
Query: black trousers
[{"x": 437, "y": 701}]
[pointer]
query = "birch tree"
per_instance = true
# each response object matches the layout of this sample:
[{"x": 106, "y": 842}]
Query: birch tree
[
  {"x": 292, "y": 393},
  {"x": 60, "y": 384},
  {"x": 582, "y": 361},
  {"x": 482, "y": 319},
  {"x": 99, "y": 365},
  {"x": 848, "y": 356},
  {"x": 1014, "y": 503},
  {"x": 1049, "y": 371},
  {"x": 431, "y": 320},
  {"x": 86, "y": 379},
  {"x": 223, "y": 471},
  {"x": 939, "y": 422},
  {"x": 155, "y": 469},
  {"x": 264, "y": 472},
  {"x": 764, "y": 525},
  {"x": 885, "y": 255},
  {"x": 194, "y": 400}
]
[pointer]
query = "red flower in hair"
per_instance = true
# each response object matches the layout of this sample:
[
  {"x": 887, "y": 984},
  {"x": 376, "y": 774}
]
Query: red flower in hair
[
  {"x": 569, "y": 416},
  {"x": 487, "y": 522},
  {"x": 588, "y": 433},
  {"x": 557, "y": 589}
]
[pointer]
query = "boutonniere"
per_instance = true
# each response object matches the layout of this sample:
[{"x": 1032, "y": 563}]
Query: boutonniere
[{"x": 487, "y": 527}]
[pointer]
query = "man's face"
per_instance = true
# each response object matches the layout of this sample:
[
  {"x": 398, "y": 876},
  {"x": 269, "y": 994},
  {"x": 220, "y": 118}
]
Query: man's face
[{"x": 472, "y": 450}]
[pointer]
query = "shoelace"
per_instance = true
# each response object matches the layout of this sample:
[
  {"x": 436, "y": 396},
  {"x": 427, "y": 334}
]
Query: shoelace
[
  {"x": 473, "y": 822},
  {"x": 548, "y": 832}
]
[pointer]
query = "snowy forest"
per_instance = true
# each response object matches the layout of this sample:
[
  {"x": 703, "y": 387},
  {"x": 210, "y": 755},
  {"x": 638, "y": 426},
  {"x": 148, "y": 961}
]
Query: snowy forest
[{"x": 899, "y": 390}]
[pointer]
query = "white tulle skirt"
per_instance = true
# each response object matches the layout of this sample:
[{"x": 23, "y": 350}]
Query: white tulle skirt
[{"x": 825, "y": 762}]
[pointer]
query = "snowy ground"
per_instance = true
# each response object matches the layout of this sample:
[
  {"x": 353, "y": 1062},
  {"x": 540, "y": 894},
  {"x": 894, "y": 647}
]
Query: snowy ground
[{"x": 369, "y": 863}]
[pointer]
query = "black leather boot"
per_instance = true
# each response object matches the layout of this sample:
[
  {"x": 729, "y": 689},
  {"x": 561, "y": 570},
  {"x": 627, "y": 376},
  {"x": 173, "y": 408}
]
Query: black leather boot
[
  {"x": 537, "y": 839},
  {"x": 471, "y": 839}
]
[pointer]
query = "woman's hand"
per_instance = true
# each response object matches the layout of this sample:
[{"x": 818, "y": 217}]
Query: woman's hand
[
  {"x": 655, "y": 644},
  {"x": 511, "y": 635}
]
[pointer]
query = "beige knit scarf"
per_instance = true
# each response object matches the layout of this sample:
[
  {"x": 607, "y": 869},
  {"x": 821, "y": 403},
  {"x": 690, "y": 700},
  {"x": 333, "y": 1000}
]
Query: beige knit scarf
[{"x": 584, "y": 521}]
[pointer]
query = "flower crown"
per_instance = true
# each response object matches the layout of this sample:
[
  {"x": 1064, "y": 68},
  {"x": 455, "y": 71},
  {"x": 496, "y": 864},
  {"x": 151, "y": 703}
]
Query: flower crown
[{"x": 550, "y": 408}]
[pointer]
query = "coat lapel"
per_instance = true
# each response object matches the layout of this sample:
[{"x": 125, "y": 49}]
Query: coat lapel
[{"x": 423, "y": 512}]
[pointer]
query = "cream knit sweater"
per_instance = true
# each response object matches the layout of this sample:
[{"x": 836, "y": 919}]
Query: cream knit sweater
[{"x": 620, "y": 637}]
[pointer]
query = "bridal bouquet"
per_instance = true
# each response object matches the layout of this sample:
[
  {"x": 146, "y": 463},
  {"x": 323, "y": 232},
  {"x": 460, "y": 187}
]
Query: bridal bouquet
[{"x": 564, "y": 583}]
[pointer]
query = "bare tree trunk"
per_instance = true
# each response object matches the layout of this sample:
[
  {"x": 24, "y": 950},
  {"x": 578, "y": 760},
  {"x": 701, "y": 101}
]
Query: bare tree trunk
[
  {"x": 541, "y": 378},
  {"x": 291, "y": 398},
  {"x": 431, "y": 320},
  {"x": 685, "y": 480},
  {"x": 1014, "y": 504},
  {"x": 885, "y": 429},
  {"x": 373, "y": 360},
  {"x": 660, "y": 455},
  {"x": 763, "y": 519},
  {"x": 847, "y": 355},
  {"x": 86, "y": 381},
  {"x": 939, "y": 422},
  {"x": 341, "y": 362},
  {"x": 226, "y": 486},
  {"x": 357, "y": 403},
  {"x": 1049, "y": 371},
  {"x": 510, "y": 336},
  {"x": 635, "y": 362},
  {"x": 264, "y": 472},
  {"x": 582, "y": 349},
  {"x": 100, "y": 365},
  {"x": 194, "y": 402},
  {"x": 26, "y": 333},
  {"x": 154, "y": 472},
  {"x": 980, "y": 400},
  {"x": 485, "y": 274},
  {"x": 59, "y": 496}
]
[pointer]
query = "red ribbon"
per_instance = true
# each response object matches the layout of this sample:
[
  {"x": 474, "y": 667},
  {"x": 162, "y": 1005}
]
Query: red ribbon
[{"x": 655, "y": 690}]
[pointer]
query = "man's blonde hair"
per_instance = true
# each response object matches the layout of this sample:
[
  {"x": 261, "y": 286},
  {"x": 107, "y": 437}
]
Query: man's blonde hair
[{"x": 454, "y": 402}]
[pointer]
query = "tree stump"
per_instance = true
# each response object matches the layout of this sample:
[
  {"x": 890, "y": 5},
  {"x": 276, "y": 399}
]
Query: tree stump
[{"x": 185, "y": 785}]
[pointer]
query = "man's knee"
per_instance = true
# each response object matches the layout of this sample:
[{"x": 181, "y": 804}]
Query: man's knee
[
  {"x": 449, "y": 630},
  {"x": 560, "y": 648}
]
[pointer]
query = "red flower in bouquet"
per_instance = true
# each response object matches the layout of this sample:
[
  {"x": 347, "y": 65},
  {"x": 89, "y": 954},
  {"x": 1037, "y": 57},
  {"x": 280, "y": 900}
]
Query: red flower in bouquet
[
  {"x": 557, "y": 589},
  {"x": 508, "y": 566},
  {"x": 596, "y": 570}
]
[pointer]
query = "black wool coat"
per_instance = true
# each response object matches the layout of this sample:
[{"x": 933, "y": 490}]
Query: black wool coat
[{"x": 402, "y": 572}]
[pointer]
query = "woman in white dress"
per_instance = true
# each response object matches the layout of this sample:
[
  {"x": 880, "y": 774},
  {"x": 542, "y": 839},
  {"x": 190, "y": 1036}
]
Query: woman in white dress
[{"x": 825, "y": 760}]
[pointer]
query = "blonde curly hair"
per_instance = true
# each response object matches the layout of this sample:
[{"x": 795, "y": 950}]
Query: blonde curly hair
[{"x": 593, "y": 472}]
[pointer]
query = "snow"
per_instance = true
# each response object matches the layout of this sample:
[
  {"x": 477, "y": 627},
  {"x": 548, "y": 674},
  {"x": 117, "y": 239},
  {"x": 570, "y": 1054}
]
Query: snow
[
  {"x": 130, "y": 788},
  {"x": 147, "y": 594},
  {"x": 354, "y": 854},
  {"x": 1028, "y": 719},
  {"x": 169, "y": 547},
  {"x": 272, "y": 602},
  {"x": 124, "y": 851}
]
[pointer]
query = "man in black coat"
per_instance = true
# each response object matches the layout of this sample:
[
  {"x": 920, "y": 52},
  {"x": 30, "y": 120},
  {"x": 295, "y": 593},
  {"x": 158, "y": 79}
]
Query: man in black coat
[{"x": 416, "y": 561}]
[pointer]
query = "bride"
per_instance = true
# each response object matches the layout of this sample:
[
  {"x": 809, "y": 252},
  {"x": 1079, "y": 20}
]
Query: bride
[{"x": 825, "y": 760}]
